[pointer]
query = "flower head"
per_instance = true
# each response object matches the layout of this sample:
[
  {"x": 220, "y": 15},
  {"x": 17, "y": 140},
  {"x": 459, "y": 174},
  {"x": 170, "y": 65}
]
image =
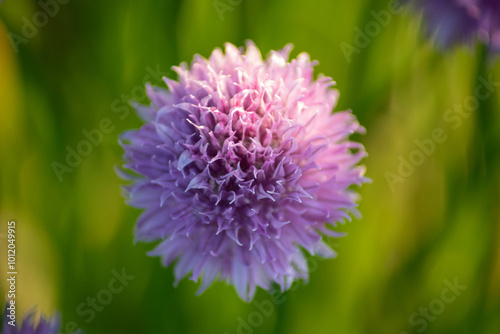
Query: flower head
[
  {"x": 30, "y": 325},
  {"x": 243, "y": 167},
  {"x": 463, "y": 21}
]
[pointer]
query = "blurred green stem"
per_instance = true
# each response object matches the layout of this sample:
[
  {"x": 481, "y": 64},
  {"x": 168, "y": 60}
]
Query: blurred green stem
[
  {"x": 484, "y": 146},
  {"x": 481, "y": 179}
]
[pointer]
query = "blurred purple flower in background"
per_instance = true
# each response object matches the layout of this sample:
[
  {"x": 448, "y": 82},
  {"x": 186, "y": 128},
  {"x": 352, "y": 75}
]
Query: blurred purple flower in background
[
  {"x": 463, "y": 21},
  {"x": 32, "y": 325},
  {"x": 242, "y": 168}
]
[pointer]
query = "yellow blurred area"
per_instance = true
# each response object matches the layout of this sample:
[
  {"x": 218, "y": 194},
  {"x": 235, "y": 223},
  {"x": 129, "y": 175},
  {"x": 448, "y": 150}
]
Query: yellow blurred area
[
  {"x": 37, "y": 262},
  {"x": 9, "y": 90},
  {"x": 37, "y": 267}
]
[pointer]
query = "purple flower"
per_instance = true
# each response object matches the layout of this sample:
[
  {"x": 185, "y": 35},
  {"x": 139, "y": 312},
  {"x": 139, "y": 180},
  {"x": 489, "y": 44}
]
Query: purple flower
[
  {"x": 243, "y": 167},
  {"x": 30, "y": 325},
  {"x": 463, "y": 21}
]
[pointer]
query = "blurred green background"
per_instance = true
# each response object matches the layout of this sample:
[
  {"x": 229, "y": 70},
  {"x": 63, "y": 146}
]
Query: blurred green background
[{"x": 440, "y": 224}]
